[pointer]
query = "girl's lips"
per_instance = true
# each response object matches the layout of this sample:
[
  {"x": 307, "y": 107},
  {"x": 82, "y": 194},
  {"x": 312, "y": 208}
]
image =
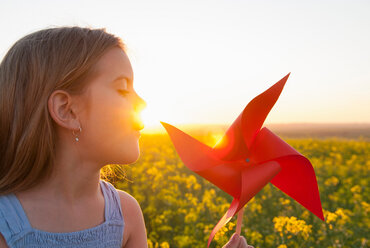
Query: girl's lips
[
  {"x": 137, "y": 122},
  {"x": 138, "y": 126}
]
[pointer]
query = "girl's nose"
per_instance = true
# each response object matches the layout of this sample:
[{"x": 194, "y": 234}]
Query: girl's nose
[{"x": 140, "y": 104}]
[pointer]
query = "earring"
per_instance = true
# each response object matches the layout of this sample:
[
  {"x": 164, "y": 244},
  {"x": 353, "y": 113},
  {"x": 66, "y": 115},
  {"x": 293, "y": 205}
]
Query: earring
[{"x": 73, "y": 132}]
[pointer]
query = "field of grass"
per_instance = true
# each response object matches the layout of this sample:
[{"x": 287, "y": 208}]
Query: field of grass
[{"x": 181, "y": 208}]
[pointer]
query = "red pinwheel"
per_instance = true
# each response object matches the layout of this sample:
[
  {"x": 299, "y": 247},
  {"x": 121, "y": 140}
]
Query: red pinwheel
[{"x": 248, "y": 157}]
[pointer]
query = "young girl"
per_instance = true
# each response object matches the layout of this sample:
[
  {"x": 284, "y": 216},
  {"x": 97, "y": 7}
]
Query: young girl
[{"x": 68, "y": 107}]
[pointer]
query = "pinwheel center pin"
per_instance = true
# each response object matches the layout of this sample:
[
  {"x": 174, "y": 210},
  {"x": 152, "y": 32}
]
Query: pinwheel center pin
[{"x": 247, "y": 160}]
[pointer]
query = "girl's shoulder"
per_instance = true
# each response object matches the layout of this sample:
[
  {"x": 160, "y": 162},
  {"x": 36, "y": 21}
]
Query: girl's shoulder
[
  {"x": 128, "y": 203},
  {"x": 134, "y": 219},
  {"x": 11, "y": 218},
  {"x": 129, "y": 206}
]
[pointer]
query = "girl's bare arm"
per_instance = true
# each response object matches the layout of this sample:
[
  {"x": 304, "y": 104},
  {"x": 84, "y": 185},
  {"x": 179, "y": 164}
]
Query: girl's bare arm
[
  {"x": 2, "y": 242},
  {"x": 134, "y": 233}
]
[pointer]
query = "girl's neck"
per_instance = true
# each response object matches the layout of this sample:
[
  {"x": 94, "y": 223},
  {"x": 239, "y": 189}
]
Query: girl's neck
[{"x": 69, "y": 184}]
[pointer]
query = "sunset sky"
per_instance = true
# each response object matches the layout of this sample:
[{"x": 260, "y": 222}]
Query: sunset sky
[{"x": 203, "y": 61}]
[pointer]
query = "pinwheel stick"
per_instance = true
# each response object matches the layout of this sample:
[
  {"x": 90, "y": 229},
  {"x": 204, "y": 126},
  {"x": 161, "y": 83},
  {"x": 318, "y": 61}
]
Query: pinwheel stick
[{"x": 239, "y": 221}]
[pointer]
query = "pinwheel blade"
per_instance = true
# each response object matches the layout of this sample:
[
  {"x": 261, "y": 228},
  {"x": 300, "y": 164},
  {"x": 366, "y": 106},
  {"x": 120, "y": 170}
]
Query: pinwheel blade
[
  {"x": 255, "y": 113},
  {"x": 297, "y": 177},
  {"x": 298, "y": 180},
  {"x": 195, "y": 155},
  {"x": 199, "y": 158},
  {"x": 254, "y": 178},
  {"x": 224, "y": 220},
  {"x": 239, "y": 137}
]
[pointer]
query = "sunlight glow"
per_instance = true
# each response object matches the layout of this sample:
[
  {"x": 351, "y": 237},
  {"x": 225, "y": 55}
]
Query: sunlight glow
[
  {"x": 150, "y": 119},
  {"x": 217, "y": 139}
]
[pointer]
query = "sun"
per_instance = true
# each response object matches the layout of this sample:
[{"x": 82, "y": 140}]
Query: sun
[{"x": 151, "y": 119}]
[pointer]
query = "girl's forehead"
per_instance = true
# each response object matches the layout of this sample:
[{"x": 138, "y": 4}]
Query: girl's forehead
[{"x": 113, "y": 64}]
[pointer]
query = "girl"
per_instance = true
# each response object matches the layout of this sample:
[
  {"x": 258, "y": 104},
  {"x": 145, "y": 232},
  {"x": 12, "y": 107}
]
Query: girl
[{"x": 68, "y": 107}]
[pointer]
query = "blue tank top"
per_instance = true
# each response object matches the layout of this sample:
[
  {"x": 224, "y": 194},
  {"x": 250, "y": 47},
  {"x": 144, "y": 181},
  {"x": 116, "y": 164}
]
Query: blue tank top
[{"x": 17, "y": 231}]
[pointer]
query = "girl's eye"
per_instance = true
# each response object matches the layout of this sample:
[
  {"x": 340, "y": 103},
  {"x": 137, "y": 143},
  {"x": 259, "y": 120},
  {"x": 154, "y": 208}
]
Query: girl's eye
[{"x": 124, "y": 92}]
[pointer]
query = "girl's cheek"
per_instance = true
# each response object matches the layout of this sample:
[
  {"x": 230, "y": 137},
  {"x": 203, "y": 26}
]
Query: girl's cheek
[{"x": 125, "y": 117}]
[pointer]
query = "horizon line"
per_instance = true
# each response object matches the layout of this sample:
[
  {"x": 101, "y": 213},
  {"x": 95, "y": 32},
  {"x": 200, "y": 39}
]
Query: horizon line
[{"x": 152, "y": 128}]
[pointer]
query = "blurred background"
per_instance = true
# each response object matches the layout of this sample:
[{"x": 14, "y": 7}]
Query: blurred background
[{"x": 197, "y": 64}]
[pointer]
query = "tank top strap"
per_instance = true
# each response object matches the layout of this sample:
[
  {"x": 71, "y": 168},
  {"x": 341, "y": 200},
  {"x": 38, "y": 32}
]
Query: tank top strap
[
  {"x": 13, "y": 219},
  {"x": 113, "y": 210}
]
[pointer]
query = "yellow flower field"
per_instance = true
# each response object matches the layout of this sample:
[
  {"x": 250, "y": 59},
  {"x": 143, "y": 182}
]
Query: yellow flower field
[{"x": 181, "y": 208}]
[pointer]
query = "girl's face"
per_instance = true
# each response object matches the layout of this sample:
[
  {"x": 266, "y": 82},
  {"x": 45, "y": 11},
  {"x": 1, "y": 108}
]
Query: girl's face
[{"x": 111, "y": 121}]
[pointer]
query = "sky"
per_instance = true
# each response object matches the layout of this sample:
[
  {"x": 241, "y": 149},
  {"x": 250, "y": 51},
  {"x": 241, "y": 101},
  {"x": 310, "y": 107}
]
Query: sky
[{"x": 203, "y": 61}]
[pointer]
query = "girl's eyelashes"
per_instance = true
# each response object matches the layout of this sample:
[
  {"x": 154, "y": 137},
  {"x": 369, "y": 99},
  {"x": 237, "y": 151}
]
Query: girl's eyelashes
[{"x": 124, "y": 92}]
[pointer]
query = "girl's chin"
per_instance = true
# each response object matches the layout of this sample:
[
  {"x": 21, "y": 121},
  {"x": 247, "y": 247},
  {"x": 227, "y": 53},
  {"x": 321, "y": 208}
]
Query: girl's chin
[
  {"x": 132, "y": 157},
  {"x": 133, "y": 160},
  {"x": 125, "y": 153}
]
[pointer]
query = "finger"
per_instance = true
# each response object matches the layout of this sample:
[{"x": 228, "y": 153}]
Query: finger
[
  {"x": 248, "y": 246},
  {"x": 233, "y": 242},
  {"x": 243, "y": 242}
]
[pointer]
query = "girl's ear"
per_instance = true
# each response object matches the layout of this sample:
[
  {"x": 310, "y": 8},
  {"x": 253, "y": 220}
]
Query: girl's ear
[{"x": 62, "y": 109}]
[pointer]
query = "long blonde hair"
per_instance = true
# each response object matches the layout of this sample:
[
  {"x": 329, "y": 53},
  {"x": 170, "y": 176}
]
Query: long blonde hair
[{"x": 36, "y": 65}]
